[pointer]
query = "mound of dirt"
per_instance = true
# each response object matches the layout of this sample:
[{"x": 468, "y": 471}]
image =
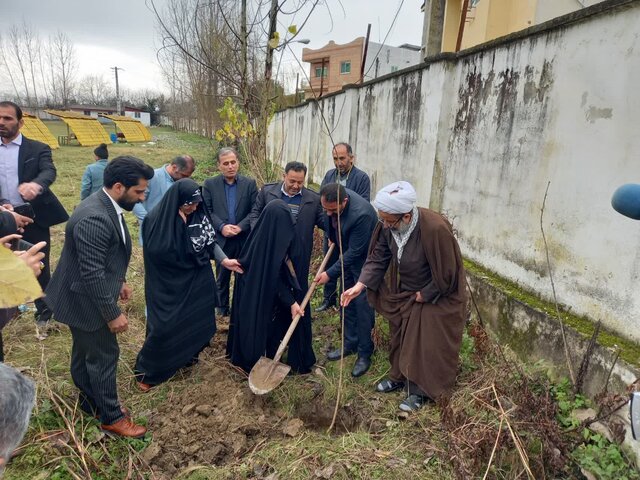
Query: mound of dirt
[
  {"x": 210, "y": 423},
  {"x": 219, "y": 420}
]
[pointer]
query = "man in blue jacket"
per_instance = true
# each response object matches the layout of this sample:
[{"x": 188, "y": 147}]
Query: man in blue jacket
[
  {"x": 180, "y": 167},
  {"x": 92, "y": 179},
  {"x": 357, "y": 222},
  {"x": 348, "y": 175}
]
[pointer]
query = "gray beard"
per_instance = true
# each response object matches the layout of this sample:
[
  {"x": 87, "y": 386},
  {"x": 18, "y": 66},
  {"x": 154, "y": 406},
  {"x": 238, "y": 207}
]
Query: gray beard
[{"x": 402, "y": 227}]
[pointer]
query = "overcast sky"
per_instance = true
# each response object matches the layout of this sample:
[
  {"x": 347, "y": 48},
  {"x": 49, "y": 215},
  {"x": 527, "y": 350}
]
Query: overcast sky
[{"x": 123, "y": 32}]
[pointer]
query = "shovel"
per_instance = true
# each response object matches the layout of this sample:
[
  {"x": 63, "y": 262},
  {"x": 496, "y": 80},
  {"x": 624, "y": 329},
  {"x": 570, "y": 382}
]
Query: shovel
[{"x": 267, "y": 374}]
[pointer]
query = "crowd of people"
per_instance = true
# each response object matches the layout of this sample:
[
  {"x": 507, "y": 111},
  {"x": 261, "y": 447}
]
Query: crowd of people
[{"x": 405, "y": 257}]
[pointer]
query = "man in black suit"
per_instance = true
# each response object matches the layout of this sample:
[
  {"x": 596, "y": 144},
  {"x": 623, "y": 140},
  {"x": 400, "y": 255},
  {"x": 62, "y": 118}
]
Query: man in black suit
[
  {"x": 357, "y": 222},
  {"x": 229, "y": 198},
  {"x": 85, "y": 287},
  {"x": 351, "y": 177},
  {"x": 26, "y": 175}
]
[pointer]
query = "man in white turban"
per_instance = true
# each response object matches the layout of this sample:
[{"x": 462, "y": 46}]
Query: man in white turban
[{"x": 424, "y": 297}]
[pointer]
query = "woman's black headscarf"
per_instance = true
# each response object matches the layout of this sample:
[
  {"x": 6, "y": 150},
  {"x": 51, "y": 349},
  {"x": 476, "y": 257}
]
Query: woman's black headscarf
[
  {"x": 163, "y": 230},
  {"x": 256, "y": 290}
]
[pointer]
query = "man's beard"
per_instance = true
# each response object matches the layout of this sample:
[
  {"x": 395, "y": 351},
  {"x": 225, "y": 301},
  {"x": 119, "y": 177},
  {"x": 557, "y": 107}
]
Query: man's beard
[
  {"x": 402, "y": 227},
  {"x": 126, "y": 204}
]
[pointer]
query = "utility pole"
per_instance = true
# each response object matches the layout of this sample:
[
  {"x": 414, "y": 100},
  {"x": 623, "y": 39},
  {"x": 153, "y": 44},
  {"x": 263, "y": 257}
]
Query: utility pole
[
  {"x": 322, "y": 78},
  {"x": 118, "y": 102},
  {"x": 364, "y": 55},
  {"x": 297, "y": 78}
]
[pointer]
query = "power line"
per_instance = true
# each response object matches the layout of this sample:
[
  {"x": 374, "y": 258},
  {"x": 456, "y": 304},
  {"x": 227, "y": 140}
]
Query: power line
[{"x": 373, "y": 61}]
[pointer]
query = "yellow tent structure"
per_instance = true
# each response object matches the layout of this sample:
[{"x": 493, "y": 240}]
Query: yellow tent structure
[
  {"x": 133, "y": 130},
  {"x": 34, "y": 129},
  {"x": 87, "y": 129}
]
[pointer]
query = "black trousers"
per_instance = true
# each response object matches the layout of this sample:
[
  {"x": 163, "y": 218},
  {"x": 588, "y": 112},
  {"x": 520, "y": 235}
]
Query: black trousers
[
  {"x": 331, "y": 287},
  {"x": 232, "y": 248},
  {"x": 94, "y": 364},
  {"x": 33, "y": 234}
]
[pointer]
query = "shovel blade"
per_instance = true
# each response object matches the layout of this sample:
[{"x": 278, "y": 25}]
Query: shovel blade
[{"x": 266, "y": 375}]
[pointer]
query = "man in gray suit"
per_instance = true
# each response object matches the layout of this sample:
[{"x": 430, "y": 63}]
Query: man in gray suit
[
  {"x": 85, "y": 287},
  {"x": 229, "y": 198}
]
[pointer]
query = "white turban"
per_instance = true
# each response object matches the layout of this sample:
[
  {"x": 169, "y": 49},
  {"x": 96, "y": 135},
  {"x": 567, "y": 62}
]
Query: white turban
[{"x": 395, "y": 198}]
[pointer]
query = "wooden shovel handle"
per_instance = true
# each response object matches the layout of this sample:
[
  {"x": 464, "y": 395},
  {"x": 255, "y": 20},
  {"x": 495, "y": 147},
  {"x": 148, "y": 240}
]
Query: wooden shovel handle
[{"x": 303, "y": 305}]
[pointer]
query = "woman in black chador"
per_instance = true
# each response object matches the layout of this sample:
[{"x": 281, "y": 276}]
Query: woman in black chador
[
  {"x": 180, "y": 290},
  {"x": 266, "y": 297}
]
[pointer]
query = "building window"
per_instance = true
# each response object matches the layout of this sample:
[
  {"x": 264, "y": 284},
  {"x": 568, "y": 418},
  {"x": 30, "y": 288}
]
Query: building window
[
  {"x": 394, "y": 68},
  {"x": 87, "y": 112},
  {"x": 137, "y": 115},
  {"x": 320, "y": 71},
  {"x": 345, "y": 67}
]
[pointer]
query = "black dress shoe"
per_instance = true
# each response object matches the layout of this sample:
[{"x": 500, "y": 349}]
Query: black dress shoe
[
  {"x": 361, "y": 366},
  {"x": 325, "y": 305},
  {"x": 336, "y": 354}
]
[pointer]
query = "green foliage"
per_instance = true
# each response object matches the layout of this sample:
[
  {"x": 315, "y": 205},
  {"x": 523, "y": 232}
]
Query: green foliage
[
  {"x": 567, "y": 402},
  {"x": 467, "y": 350},
  {"x": 603, "y": 458},
  {"x": 236, "y": 126},
  {"x": 596, "y": 453}
]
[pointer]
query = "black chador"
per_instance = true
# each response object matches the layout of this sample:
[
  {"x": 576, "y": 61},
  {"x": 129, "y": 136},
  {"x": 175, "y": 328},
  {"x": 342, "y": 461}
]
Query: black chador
[
  {"x": 263, "y": 295},
  {"x": 180, "y": 289}
]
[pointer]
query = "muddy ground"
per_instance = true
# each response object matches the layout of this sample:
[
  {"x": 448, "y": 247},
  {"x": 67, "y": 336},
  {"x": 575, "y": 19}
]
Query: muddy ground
[{"x": 219, "y": 420}]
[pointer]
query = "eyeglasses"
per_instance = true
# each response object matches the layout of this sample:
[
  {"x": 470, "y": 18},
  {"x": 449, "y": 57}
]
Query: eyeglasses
[{"x": 388, "y": 224}]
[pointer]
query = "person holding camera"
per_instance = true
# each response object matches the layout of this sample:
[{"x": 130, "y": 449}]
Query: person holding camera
[
  {"x": 29, "y": 253},
  {"x": 26, "y": 175}
]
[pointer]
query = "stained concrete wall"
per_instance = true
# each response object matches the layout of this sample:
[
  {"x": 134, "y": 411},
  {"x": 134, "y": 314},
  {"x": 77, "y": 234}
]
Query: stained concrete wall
[{"x": 481, "y": 133}]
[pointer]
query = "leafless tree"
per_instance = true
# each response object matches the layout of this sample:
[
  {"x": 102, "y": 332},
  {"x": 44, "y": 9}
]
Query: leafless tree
[
  {"x": 94, "y": 90},
  {"x": 31, "y": 46},
  {"x": 214, "y": 49},
  {"x": 62, "y": 59},
  {"x": 16, "y": 48},
  {"x": 7, "y": 67}
]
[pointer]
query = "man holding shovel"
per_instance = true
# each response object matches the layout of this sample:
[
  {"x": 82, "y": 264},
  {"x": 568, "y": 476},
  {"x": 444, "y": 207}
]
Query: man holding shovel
[{"x": 353, "y": 229}]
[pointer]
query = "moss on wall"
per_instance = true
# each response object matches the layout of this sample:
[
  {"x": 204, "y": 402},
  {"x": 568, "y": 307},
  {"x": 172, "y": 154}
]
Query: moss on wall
[{"x": 629, "y": 351}]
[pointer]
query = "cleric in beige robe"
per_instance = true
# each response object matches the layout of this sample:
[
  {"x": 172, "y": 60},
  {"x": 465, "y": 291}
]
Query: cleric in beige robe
[{"x": 423, "y": 297}]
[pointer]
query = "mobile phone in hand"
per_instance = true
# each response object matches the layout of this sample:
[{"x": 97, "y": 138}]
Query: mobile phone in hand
[
  {"x": 19, "y": 245},
  {"x": 25, "y": 209}
]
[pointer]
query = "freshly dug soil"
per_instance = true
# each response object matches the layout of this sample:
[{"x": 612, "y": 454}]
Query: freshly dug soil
[{"x": 220, "y": 420}]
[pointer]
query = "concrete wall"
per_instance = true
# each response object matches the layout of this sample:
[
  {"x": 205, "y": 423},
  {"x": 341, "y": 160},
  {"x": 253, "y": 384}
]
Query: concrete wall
[{"x": 481, "y": 133}]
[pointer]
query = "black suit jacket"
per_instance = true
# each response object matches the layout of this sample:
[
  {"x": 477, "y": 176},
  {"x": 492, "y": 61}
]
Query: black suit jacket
[
  {"x": 310, "y": 216},
  {"x": 7, "y": 224},
  {"x": 36, "y": 165},
  {"x": 357, "y": 222},
  {"x": 216, "y": 203},
  {"x": 84, "y": 289}
]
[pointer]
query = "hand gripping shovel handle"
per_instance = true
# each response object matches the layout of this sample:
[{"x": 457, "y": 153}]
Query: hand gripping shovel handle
[{"x": 303, "y": 305}]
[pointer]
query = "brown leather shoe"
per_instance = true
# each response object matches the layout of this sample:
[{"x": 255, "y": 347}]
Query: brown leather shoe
[
  {"x": 125, "y": 428},
  {"x": 144, "y": 387}
]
